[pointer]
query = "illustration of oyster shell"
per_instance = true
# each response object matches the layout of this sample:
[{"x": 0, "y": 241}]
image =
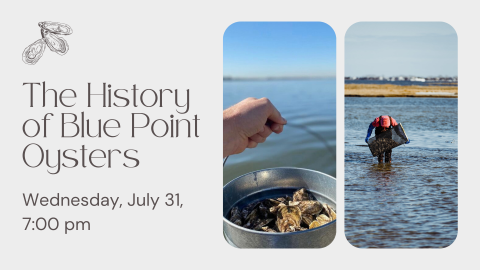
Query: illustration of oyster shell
[
  {"x": 55, "y": 43},
  {"x": 56, "y": 28},
  {"x": 34, "y": 52}
]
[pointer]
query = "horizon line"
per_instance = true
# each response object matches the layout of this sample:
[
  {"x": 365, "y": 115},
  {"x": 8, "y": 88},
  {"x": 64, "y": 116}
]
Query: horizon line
[
  {"x": 430, "y": 76},
  {"x": 270, "y": 78}
]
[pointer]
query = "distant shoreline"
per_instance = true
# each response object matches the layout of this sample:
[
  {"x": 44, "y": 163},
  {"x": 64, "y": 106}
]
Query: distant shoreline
[
  {"x": 234, "y": 79},
  {"x": 390, "y": 90}
]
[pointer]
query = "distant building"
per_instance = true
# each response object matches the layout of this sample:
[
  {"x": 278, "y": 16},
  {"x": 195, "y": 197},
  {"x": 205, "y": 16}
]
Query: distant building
[
  {"x": 417, "y": 79},
  {"x": 401, "y": 78}
]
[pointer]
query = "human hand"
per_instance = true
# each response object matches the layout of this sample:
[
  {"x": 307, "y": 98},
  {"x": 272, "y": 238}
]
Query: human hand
[
  {"x": 244, "y": 124},
  {"x": 366, "y": 139},
  {"x": 408, "y": 141}
]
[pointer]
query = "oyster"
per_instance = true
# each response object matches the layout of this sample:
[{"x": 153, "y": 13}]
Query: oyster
[
  {"x": 33, "y": 52},
  {"x": 308, "y": 207},
  {"x": 288, "y": 216},
  {"x": 56, "y": 28},
  {"x": 307, "y": 219},
  {"x": 267, "y": 229},
  {"x": 248, "y": 209},
  {"x": 329, "y": 212},
  {"x": 320, "y": 221},
  {"x": 262, "y": 223},
  {"x": 235, "y": 216},
  {"x": 271, "y": 202},
  {"x": 238, "y": 222},
  {"x": 252, "y": 216},
  {"x": 55, "y": 43},
  {"x": 300, "y": 213},
  {"x": 296, "y": 229},
  {"x": 264, "y": 211},
  {"x": 301, "y": 195},
  {"x": 274, "y": 209},
  {"x": 314, "y": 224},
  {"x": 323, "y": 219}
]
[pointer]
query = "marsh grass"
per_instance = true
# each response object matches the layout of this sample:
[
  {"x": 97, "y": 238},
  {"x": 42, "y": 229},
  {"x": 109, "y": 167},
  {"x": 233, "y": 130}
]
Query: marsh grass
[{"x": 390, "y": 90}]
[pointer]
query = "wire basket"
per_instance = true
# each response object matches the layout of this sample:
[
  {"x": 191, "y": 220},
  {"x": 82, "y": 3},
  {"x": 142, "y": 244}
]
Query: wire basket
[{"x": 387, "y": 140}]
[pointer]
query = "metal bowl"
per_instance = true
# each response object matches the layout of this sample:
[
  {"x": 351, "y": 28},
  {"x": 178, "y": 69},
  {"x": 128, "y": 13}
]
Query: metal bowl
[{"x": 269, "y": 183}]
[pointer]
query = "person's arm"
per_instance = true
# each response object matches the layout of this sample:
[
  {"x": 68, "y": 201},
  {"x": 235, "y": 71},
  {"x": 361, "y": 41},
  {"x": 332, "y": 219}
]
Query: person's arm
[
  {"x": 369, "y": 132},
  {"x": 394, "y": 123},
  {"x": 244, "y": 124}
]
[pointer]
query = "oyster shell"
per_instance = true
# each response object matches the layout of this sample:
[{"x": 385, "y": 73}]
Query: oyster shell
[
  {"x": 307, "y": 219},
  {"x": 308, "y": 207},
  {"x": 300, "y": 213},
  {"x": 262, "y": 223},
  {"x": 252, "y": 216},
  {"x": 33, "y": 52},
  {"x": 248, "y": 209},
  {"x": 267, "y": 229},
  {"x": 323, "y": 219},
  {"x": 56, "y": 28},
  {"x": 296, "y": 229},
  {"x": 264, "y": 211},
  {"x": 288, "y": 216},
  {"x": 55, "y": 43},
  {"x": 314, "y": 224},
  {"x": 235, "y": 216},
  {"x": 274, "y": 209},
  {"x": 320, "y": 221},
  {"x": 271, "y": 202},
  {"x": 301, "y": 195},
  {"x": 329, "y": 212}
]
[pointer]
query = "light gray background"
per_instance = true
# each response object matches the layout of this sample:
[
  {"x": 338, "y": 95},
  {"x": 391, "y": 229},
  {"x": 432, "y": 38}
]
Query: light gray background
[{"x": 179, "y": 45}]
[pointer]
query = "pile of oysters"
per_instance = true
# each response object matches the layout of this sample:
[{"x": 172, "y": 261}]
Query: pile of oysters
[
  {"x": 381, "y": 145},
  {"x": 284, "y": 214}
]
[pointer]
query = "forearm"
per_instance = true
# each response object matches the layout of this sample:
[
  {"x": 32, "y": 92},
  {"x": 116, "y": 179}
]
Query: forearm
[
  {"x": 230, "y": 132},
  {"x": 370, "y": 129},
  {"x": 227, "y": 133}
]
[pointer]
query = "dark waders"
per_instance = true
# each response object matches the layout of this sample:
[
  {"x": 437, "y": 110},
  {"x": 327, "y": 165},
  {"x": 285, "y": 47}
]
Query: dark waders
[{"x": 386, "y": 154}]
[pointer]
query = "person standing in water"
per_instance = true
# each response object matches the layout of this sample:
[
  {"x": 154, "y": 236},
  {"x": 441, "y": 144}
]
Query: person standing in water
[{"x": 382, "y": 124}]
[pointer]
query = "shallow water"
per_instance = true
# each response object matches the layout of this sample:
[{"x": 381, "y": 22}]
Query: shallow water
[
  {"x": 412, "y": 202},
  {"x": 308, "y": 140}
]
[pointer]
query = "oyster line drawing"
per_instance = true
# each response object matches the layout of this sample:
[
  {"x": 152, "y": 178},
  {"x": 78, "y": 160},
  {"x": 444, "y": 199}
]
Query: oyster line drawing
[{"x": 50, "y": 39}]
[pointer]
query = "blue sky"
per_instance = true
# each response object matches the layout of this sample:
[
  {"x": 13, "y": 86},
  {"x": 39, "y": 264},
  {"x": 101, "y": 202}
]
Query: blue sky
[
  {"x": 276, "y": 49},
  {"x": 401, "y": 48}
]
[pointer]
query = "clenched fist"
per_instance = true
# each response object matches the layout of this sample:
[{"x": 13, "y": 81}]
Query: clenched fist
[{"x": 244, "y": 124}]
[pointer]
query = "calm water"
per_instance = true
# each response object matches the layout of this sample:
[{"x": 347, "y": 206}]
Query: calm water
[
  {"x": 411, "y": 203},
  {"x": 309, "y": 139}
]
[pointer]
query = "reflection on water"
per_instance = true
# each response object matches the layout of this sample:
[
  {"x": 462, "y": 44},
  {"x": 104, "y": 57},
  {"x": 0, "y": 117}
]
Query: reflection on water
[
  {"x": 309, "y": 107},
  {"x": 411, "y": 203}
]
